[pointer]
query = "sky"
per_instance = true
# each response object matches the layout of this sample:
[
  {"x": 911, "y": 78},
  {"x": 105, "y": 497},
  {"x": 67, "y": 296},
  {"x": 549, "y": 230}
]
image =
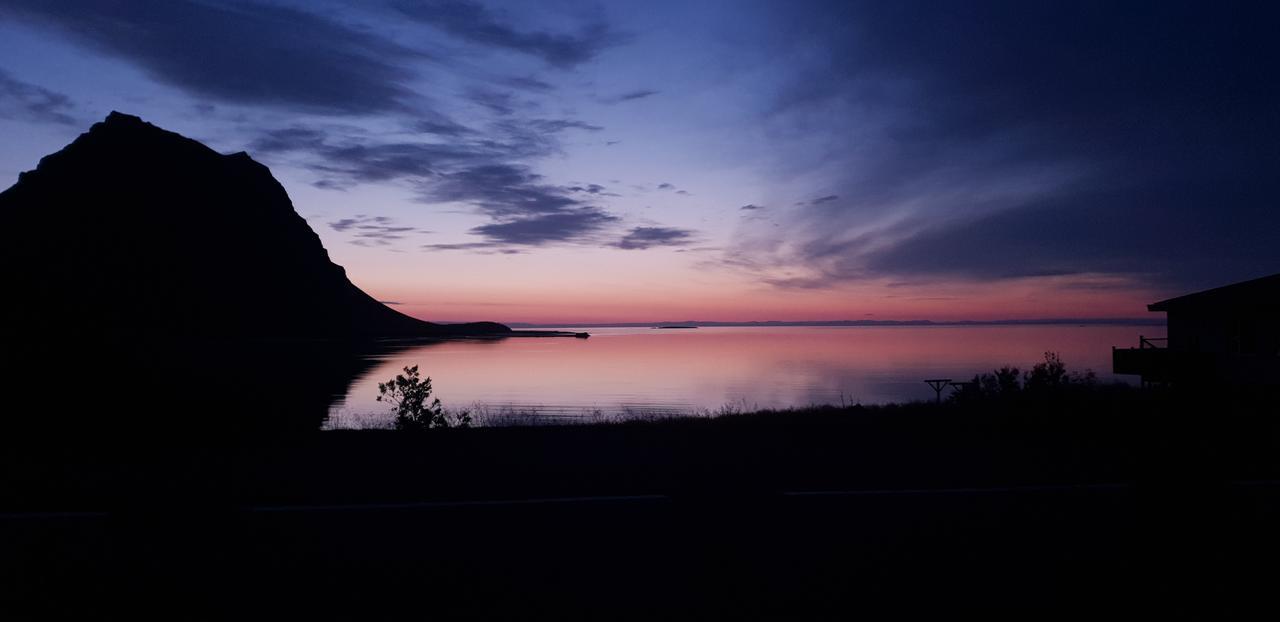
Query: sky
[{"x": 733, "y": 160}]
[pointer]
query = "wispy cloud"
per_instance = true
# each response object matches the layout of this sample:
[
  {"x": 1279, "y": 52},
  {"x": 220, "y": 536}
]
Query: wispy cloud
[
  {"x": 523, "y": 208},
  {"x": 499, "y": 102},
  {"x": 640, "y": 238},
  {"x": 553, "y": 126},
  {"x": 475, "y": 23},
  {"x": 441, "y": 126},
  {"x": 562, "y": 225},
  {"x": 528, "y": 84},
  {"x": 629, "y": 96},
  {"x": 28, "y": 102},
  {"x": 371, "y": 230},
  {"x": 481, "y": 168},
  {"x": 484, "y": 248},
  {"x": 594, "y": 189}
]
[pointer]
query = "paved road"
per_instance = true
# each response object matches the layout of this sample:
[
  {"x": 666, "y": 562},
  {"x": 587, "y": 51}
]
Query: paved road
[{"x": 794, "y": 555}]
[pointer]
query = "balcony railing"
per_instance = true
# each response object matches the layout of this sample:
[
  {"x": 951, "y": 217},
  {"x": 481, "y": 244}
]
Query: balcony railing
[
  {"x": 1150, "y": 359},
  {"x": 1149, "y": 343}
]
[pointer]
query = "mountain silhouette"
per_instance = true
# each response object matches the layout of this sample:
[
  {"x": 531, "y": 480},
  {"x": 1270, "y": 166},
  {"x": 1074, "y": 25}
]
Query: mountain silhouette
[
  {"x": 154, "y": 288},
  {"x": 133, "y": 232}
]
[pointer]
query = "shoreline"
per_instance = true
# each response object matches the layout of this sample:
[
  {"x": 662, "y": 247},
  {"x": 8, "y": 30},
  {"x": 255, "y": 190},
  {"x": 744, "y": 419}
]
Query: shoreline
[{"x": 1108, "y": 435}]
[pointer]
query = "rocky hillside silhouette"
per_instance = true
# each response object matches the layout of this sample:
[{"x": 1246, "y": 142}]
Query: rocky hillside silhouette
[{"x": 133, "y": 233}]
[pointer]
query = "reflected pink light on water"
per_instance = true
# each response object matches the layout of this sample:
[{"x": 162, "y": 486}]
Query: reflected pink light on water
[{"x": 706, "y": 368}]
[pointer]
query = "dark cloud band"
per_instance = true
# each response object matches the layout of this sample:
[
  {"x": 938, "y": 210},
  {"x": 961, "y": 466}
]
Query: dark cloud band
[{"x": 247, "y": 53}]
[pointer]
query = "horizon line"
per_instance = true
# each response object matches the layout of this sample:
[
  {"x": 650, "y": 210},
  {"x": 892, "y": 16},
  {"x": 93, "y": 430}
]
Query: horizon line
[{"x": 1121, "y": 321}]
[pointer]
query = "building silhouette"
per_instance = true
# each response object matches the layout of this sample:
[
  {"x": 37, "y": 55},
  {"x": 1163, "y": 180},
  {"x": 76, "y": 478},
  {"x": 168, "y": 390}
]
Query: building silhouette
[{"x": 1226, "y": 335}]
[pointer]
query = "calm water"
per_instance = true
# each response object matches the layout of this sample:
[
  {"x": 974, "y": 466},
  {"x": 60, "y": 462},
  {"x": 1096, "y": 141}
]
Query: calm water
[{"x": 658, "y": 371}]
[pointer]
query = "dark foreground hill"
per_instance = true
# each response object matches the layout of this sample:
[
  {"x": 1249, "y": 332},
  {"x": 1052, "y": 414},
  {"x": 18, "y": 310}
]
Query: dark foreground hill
[
  {"x": 1122, "y": 501},
  {"x": 153, "y": 286},
  {"x": 135, "y": 232}
]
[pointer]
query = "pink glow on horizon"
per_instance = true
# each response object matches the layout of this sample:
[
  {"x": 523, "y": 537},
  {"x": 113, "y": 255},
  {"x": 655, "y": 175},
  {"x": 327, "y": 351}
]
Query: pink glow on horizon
[{"x": 1022, "y": 299}]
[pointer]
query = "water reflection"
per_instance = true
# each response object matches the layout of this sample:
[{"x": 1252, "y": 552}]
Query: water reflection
[{"x": 646, "y": 370}]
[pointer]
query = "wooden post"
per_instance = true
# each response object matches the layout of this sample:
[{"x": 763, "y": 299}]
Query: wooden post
[{"x": 938, "y": 384}]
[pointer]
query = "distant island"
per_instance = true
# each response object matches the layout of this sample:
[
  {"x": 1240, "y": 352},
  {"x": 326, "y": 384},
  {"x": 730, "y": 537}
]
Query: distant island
[{"x": 770, "y": 323}]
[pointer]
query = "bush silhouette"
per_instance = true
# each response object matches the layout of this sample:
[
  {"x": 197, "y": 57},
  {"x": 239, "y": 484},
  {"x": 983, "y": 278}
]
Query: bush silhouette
[
  {"x": 1046, "y": 378},
  {"x": 1005, "y": 381},
  {"x": 408, "y": 394},
  {"x": 1047, "y": 375}
]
